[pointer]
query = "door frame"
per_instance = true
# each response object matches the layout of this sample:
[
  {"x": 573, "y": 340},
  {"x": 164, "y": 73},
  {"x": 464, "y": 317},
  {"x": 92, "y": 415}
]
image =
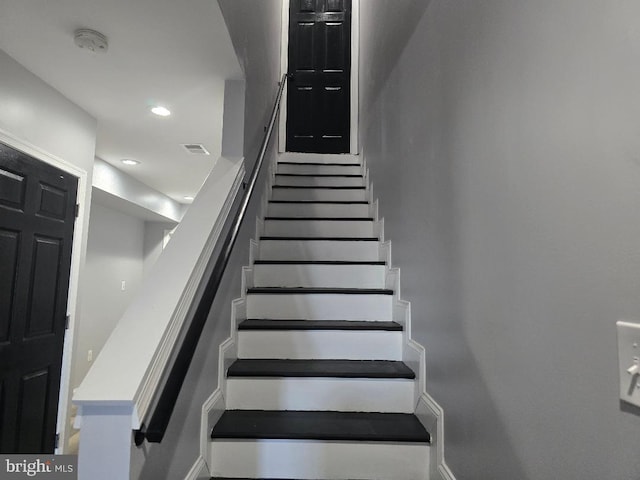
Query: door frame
[
  {"x": 355, "y": 57},
  {"x": 73, "y": 309}
]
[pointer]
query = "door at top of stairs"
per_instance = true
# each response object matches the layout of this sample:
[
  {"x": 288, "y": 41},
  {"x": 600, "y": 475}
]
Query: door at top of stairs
[{"x": 318, "y": 99}]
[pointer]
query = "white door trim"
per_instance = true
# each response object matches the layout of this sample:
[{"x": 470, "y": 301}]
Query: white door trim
[
  {"x": 83, "y": 200},
  {"x": 355, "y": 62}
]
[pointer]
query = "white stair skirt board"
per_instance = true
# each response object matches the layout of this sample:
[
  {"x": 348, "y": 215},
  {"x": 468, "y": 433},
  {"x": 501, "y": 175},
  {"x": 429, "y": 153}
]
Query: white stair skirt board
[
  {"x": 312, "y": 459},
  {"x": 313, "y": 181},
  {"x": 320, "y": 194},
  {"x": 318, "y": 158},
  {"x": 318, "y": 228},
  {"x": 389, "y": 395},
  {"x": 307, "y": 169},
  {"x": 306, "y": 250},
  {"x": 331, "y": 210},
  {"x": 310, "y": 275},
  {"x": 324, "y": 306},
  {"x": 320, "y": 344}
]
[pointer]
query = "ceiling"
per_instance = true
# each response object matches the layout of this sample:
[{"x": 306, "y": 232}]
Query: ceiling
[{"x": 176, "y": 54}]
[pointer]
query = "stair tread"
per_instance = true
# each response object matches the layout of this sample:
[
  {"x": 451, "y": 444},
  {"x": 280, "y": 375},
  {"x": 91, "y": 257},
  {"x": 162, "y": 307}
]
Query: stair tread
[
  {"x": 276, "y": 324},
  {"x": 317, "y": 425},
  {"x": 330, "y": 202},
  {"x": 321, "y": 164},
  {"x": 344, "y": 175},
  {"x": 320, "y": 368},
  {"x": 330, "y": 219},
  {"x": 318, "y": 290},
  {"x": 319, "y": 187},
  {"x": 325, "y": 239},
  {"x": 317, "y": 262}
]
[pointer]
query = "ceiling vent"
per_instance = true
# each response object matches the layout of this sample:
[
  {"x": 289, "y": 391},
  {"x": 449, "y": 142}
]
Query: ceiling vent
[{"x": 195, "y": 149}]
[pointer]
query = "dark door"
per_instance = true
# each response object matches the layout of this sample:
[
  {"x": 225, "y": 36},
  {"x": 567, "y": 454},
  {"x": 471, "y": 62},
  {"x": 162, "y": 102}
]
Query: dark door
[
  {"x": 319, "y": 90},
  {"x": 37, "y": 214}
]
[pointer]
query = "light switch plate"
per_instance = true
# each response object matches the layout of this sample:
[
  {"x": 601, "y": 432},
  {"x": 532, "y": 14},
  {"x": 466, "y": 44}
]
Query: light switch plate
[{"x": 629, "y": 361}]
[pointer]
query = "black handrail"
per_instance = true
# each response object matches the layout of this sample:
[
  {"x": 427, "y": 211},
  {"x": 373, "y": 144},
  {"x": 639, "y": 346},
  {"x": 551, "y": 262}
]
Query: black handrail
[{"x": 154, "y": 432}]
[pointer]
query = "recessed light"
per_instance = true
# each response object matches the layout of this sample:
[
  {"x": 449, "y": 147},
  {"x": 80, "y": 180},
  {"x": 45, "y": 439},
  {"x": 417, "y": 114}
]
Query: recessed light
[
  {"x": 129, "y": 161},
  {"x": 161, "y": 111},
  {"x": 188, "y": 197}
]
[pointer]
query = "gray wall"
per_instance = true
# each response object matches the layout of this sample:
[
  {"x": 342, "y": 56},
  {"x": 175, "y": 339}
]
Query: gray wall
[
  {"x": 114, "y": 254},
  {"x": 504, "y": 149},
  {"x": 253, "y": 25},
  {"x": 153, "y": 240},
  {"x": 385, "y": 30},
  {"x": 34, "y": 112}
]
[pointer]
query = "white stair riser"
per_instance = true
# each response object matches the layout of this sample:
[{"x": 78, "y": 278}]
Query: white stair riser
[
  {"x": 319, "y": 250},
  {"x": 320, "y": 194},
  {"x": 309, "y": 459},
  {"x": 336, "y": 276},
  {"x": 319, "y": 158},
  {"x": 325, "y": 306},
  {"x": 304, "y": 181},
  {"x": 320, "y": 344},
  {"x": 318, "y": 210},
  {"x": 321, "y": 394},
  {"x": 302, "y": 169},
  {"x": 318, "y": 228}
]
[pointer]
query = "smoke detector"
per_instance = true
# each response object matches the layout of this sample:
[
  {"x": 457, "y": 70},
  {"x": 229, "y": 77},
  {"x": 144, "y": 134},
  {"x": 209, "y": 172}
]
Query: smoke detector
[{"x": 91, "y": 40}]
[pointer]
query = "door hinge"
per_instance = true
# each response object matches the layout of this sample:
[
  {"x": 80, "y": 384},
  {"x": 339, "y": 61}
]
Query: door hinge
[
  {"x": 77, "y": 210},
  {"x": 57, "y": 440},
  {"x": 67, "y": 321}
]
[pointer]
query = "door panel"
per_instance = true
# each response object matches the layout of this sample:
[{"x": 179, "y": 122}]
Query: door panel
[
  {"x": 32, "y": 409},
  {"x": 37, "y": 215},
  {"x": 334, "y": 43},
  {"x": 47, "y": 253},
  {"x": 319, "y": 95},
  {"x": 8, "y": 268},
  {"x": 333, "y": 127},
  {"x": 53, "y": 202},
  {"x": 12, "y": 189},
  {"x": 305, "y": 48}
]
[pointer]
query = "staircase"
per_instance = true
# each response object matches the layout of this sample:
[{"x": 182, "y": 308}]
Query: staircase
[{"x": 319, "y": 389}]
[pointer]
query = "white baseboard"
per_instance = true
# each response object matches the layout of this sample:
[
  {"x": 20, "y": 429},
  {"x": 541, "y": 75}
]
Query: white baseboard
[
  {"x": 445, "y": 473},
  {"x": 198, "y": 470},
  {"x": 214, "y": 406},
  {"x": 431, "y": 415},
  {"x": 428, "y": 411}
]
